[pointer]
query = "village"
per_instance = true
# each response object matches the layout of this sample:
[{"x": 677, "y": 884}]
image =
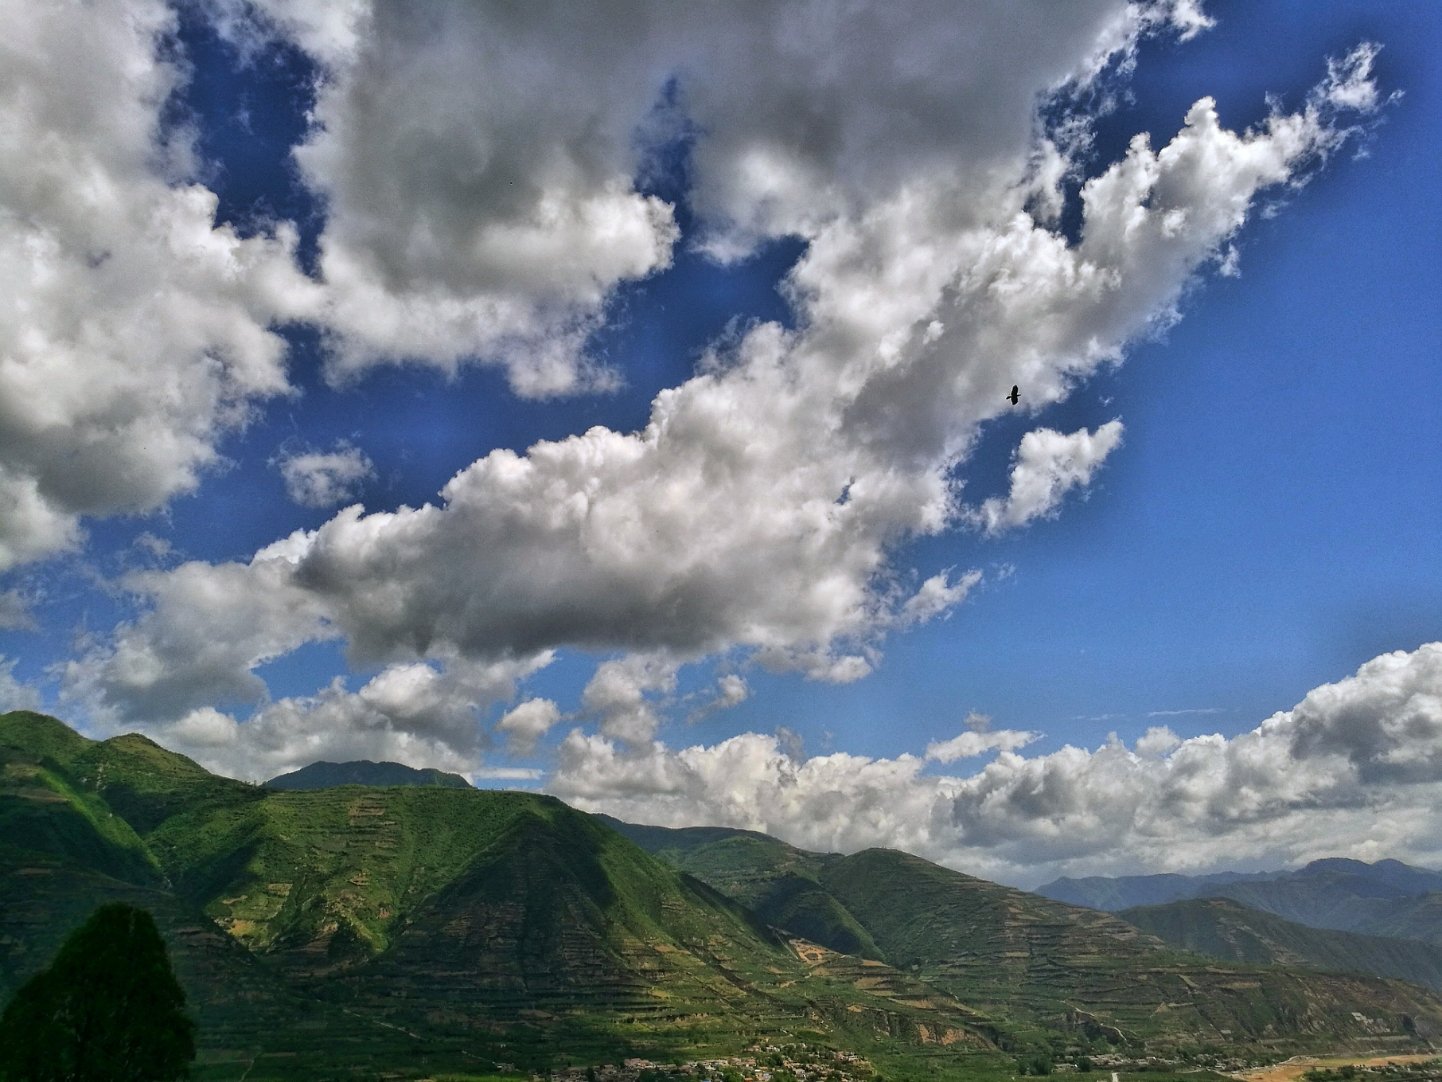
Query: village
[{"x": 768, "y": 1063}]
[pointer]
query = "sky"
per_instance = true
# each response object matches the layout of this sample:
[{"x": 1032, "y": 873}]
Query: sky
[{"x": 610, "y": 401}]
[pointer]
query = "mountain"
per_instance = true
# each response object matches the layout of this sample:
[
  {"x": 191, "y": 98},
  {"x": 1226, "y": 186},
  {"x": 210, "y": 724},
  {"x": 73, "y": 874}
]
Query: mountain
[
  {"x": 414, "y": 931},
  {"x": 780, "y": 882},
  {"x": 1227, "y": 930},
  {"x": 1127, "y": 891},
  {"x": 1010, "y": 954},
  {"x": 323, "y": 775},
  {"x": 351, "y": 932},
  {"x": 1386, "y": 898}
]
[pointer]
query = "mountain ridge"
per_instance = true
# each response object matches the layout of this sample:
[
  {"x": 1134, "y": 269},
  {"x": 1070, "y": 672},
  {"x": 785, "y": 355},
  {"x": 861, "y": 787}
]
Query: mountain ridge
[
  {"x": 325, "y": 775},
  {"x": 1387, "y": 898},
  {"x": 1229, "y": 931},
  {"x": 361, "y": 931}
]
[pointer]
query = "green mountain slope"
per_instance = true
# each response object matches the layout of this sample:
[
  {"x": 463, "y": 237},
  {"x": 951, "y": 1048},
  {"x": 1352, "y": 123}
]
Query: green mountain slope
[
  {"x": 1224, "y": 929},
  {"x": 780, "y": 882},
  {"x": 338, "y": 931},
  {"x": 323, "y": 775},
  {"x": 408, "y": 931},
  {"x": 1044, "y": 966}
]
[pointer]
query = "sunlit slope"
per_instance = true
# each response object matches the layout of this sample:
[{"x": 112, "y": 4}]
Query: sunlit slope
[
  {"x": 468, "y": 919},
  {"x": 356, "y": 930},
  {"x": 324, "y": 880},
  {"x": 778, "y": 881},
  {"x": 64, "y": 851},
  {"x": 406, "y": 902},
  {"x": 1227, "y": 930}
]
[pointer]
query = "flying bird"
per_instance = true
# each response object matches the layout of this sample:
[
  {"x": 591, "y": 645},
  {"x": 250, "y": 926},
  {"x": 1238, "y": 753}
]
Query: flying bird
[{"x": 1015, "y": 394}]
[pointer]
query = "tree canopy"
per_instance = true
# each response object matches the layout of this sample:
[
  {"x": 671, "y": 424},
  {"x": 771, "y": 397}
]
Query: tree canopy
[{"x": 108, "y": 1008}]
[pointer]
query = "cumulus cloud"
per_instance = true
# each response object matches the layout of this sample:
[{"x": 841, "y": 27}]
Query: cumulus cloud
[
  {"x": 620, "y": 694},
  {"x": 937, "y": 595},
  {"x": 478, "y": 168},
  {"x": 134, "y": 330},
  {"x": 525, "y": 723},
  {"x": 426, "y": 715},
  {"x": 324, "y": 478},
  {"x": 1355, "y": 768},
  {"x": 207, "y": 628},
  {"x": 759, "y": 510},
  {"x": 1046, "y": 467},
  {"x": 759, "y": 505}
]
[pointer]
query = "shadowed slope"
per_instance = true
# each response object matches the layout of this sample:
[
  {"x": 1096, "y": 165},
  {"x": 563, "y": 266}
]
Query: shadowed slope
[
  {"x": 1227, "y": 930},
  {"x": 324, "y": 775}
]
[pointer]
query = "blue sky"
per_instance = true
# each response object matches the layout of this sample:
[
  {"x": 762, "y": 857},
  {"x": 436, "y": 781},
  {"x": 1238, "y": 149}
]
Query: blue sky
[{"x": 471, "y": 233}]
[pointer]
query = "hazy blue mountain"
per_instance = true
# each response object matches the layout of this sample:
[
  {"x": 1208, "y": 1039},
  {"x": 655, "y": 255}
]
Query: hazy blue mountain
[
  {"x": 364, "y": 772},
  {"x": 1385, "y": 898},
  {"x": 1113, "y": 893}
]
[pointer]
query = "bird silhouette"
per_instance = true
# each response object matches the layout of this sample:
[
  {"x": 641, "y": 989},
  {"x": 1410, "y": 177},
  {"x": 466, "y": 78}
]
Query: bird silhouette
[{"x": 1015, "y": 394}]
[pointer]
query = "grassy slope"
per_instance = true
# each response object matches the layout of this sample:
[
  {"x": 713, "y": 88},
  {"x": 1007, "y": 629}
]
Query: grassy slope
[
  {"x": 1039, "y": 963},
  {"x": 1227, "y": 930},
  {"x": 780, "y": 882},
  {"x": 425, "y": 928},
  {"x": 414, "y": 927},
  {"x": 1006, "y": 950}
]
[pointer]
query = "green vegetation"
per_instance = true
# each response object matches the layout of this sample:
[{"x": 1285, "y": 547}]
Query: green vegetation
[
  {"x": 423, "y": 931},
  {"x": 364, "y": 772},
  {"x": 108, "y": 1009},
  {"x": 1229, "y": 931}
]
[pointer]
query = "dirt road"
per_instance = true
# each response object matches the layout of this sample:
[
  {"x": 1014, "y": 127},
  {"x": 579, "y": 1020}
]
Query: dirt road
[{"x": 1295, "y": 1067}]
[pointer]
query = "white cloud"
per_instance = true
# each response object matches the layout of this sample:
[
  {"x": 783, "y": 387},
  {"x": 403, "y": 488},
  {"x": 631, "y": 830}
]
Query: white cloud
[
  {"x": 759, "y": 510},
  {"x": 478, "y": 171},
  {"x": 418, "y": 714},
  {"x": 13, "y": 694},
  {"x": 134, "y": 331},
  {"x": 325, "y": 478},
  {"x": 207, "y": 628},
  {"x": 1355, "y": 768},
  {"x": 619, "y": 691},
  {"x": 937, "y": 595},
  {"x": 976, "y": 742},
  {"x": 525, "y": 723},
  {"x": 1046, "y": 467},
  {"x": 731, "y": 690}
]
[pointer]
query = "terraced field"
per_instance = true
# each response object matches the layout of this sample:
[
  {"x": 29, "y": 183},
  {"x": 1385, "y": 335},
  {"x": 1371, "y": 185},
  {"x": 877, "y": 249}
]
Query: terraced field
[{"x": 368, "y": 932}]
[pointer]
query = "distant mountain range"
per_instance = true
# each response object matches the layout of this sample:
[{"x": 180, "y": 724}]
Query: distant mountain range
[
  {"x": 323, "y": 775},
  {"x": 1227, "y": 930},
  {"x": 1387, "y": 898},
  {"x": 412, "y": 930}
]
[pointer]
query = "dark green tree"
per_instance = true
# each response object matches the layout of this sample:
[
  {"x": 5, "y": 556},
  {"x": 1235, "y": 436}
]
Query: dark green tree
[{"x": 108, "y": 1009}]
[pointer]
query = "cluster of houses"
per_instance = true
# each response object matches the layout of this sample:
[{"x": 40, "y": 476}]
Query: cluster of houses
[{"x": 768, "y": 1064}]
